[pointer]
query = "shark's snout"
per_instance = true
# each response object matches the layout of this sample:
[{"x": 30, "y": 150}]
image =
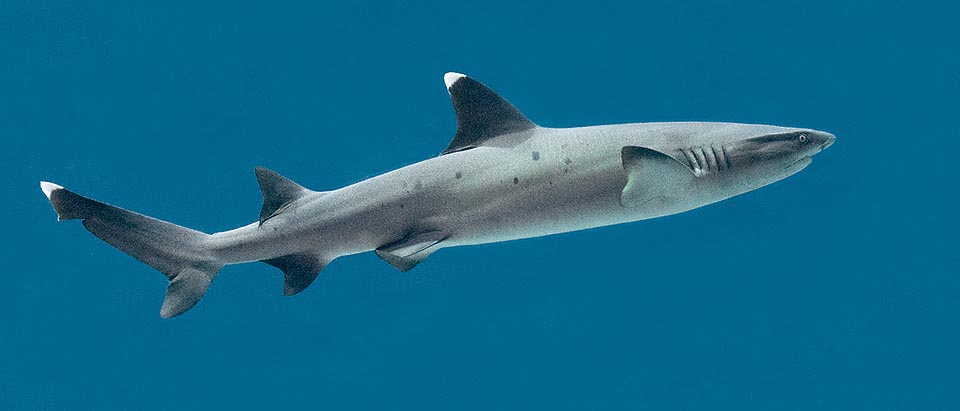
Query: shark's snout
[
  {"x": 820, "y": 141},
  {"x": 830, "y": 139}
]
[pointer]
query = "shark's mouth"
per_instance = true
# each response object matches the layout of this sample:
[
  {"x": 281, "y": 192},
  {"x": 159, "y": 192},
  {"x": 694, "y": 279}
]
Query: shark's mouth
[
  {"x": 789, "y": 170},
  {"x": 800, "y": 164}
]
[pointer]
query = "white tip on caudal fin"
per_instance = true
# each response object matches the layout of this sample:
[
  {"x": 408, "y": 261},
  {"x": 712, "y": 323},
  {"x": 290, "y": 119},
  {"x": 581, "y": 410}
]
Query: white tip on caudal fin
[
  {"x": 178, "y": 252},
  {"x": 451, "y": 78},
  {"x": 49, "y": 188}
]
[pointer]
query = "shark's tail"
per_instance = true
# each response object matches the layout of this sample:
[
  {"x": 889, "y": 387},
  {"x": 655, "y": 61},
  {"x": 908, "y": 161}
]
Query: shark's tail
[{"x": 178, "y": 252}]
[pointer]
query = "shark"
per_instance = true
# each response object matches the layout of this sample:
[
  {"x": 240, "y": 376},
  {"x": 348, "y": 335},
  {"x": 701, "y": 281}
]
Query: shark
[{"x": 503, "y": 177}]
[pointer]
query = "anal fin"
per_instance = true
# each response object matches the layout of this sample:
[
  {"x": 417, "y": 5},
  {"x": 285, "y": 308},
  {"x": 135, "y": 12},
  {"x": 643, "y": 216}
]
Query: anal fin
[
  {"x": 299, "y": 270},
  {"x": 409, "y": 251}
]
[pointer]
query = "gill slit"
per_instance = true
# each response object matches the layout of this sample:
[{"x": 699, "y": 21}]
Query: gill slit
[
  {"x": 717, "y": 159},
  {"x": 702, "y": 159},
  {"x": 691, "y": 160},
  {"x": 726, "y": 158},
  {"x": 711, "y": 159}
]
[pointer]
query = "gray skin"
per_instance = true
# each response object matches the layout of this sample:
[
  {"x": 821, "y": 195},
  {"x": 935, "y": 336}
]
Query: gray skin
[
  {"x": 539, "y": 182},
  {"x": 502, "y": 178}
]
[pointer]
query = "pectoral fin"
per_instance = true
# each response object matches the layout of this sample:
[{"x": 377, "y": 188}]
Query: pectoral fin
[
  {"x": 409, "y": 251},
  {"x": 652, "y": 177}
]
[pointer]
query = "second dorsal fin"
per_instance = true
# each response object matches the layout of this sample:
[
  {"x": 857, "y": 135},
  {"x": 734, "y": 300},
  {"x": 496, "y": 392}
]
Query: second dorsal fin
[
  {"x": 481, "y": 113},
  {"x": 278, "y": 192}
]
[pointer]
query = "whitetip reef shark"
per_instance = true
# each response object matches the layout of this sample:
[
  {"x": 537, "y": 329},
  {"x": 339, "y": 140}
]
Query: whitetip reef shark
[{"x": 502, "y": 178}]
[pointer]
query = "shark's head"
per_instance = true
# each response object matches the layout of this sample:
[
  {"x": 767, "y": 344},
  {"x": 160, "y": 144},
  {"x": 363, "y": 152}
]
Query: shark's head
[
  {"x": 700, "y": 163},
  {"x": 731, "y": 159},
  {"x": 765, "y": 157}
]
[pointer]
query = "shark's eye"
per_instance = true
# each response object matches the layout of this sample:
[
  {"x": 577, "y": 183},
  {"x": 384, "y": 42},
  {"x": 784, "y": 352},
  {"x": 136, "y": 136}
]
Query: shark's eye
[{"x": 803, "y": 138}]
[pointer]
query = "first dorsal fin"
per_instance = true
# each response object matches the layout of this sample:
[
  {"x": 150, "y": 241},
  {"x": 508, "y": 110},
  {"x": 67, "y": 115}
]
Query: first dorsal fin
[
  {"x": 278, "y": 192},
  {"x": 481, "y": 113}
]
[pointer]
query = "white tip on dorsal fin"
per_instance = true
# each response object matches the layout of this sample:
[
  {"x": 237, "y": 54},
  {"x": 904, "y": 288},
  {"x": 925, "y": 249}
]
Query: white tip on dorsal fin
[
  {"x": 48, "y": 188},
  {"x": 482, "y": 114},
  {"x": 450, "y": 78}
]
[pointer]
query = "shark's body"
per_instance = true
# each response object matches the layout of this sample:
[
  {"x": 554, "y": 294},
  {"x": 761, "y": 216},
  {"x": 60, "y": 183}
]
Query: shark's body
[{"x": 502, "y": 178}]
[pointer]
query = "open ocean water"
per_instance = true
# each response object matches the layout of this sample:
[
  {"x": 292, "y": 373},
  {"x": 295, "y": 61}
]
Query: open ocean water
[{"x": 834, "y": 289}]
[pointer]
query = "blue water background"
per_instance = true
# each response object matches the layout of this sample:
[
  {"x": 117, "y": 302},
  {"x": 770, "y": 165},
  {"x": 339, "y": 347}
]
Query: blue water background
[{"x": 834, "y": 289}]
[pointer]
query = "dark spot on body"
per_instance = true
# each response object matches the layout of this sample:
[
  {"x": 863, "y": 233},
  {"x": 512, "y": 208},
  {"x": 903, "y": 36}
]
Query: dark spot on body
[
  {"x": 566, "y": 170},
  {"x": 536, "y": 155},
  {"x": 458, "y": 175},
  {"x": 567, "y": 160},
  {"x": 516, "y": 180}
]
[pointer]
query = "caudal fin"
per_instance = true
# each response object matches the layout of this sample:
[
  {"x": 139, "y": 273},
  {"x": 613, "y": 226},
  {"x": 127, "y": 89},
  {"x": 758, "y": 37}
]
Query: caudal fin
[{"x": 178, "y": 252}]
